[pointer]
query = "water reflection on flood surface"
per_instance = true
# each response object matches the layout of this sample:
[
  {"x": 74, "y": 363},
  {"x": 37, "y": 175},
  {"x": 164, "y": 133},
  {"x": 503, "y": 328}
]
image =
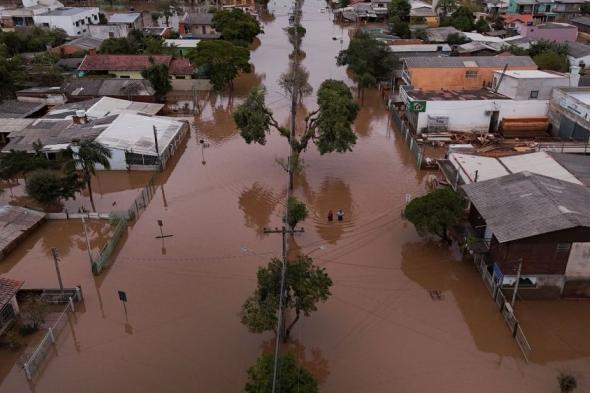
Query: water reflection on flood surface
[{"x": 381, "y": 331}]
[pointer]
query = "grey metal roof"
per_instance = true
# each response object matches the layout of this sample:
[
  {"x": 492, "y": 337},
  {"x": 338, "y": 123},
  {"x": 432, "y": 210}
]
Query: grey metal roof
[
  {"x": 85, "y": 42},
  {"x": 198, "y": 19},
  {"x": 17, "y": 109},
  {"x": 70, "y": 63},
  {"x": 66, "y": 11},
  {"x": 479, "y": 61},
  {"x": 66, "y": 110},
  {"x": 582, "y": 20},
  {"x": 126, "y": 17},
  {"x": 577, "y": 164},
  {"x": 523, "y": 205},
  {"x": 108, "y": 87},
  {"x": 577, "y": 50},
  {"x": 440, "y": 34}
]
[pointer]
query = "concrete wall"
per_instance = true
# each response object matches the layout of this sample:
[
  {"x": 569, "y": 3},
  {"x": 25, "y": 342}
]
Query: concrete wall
[
  {"x": 190, "y": 84},
  {"x": 547, "y": 287},
  {"x": 553, "y": 34},
  {"x": 576, "y": 61},
  {"x": 521, "y": 88},
  {"x": 68, "y": 22},
  {"x": 127, "y": 74},
  {"x": 563, "y": 105},
  {"x": 471, "y": 116},
  {"x": 454, "y": 78},
  {"x": 108, "y": 31},
  {"x": 578, "y": 264}
]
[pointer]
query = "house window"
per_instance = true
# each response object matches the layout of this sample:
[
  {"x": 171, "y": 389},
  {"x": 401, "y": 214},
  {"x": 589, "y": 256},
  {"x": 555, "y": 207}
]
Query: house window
[
  {"x": 77, "y": 23},
  {"x": 82, "y": 21},
  {"x": 470, "y": 74},
  {"x": 95, "y": 17},
  {"x": 563, "y": 247},
  {"x": 180, "y": 77},
  {"x": 124, "y": 76},
  {"x": 534, "y": 94}
]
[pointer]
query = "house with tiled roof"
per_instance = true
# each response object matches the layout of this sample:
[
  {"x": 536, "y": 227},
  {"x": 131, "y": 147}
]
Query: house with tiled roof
[
  {"x": 8, "y": 303},
  {"x": 131, "y": 67}
]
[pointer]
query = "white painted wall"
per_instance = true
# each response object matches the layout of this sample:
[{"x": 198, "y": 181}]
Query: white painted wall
[
  {"x": 520, "y": 88},
  {"x": 470, "y": 116},
  {"x": 578, "y": 264},
  {"x": 575, "y": 61},
  {"x": 88, "y": 15}
]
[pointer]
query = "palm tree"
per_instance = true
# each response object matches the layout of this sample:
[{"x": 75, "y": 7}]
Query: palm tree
[{"x": 88, "y": 154}]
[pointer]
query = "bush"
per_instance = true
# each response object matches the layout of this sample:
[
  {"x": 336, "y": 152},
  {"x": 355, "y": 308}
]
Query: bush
[{"x": 567, "y": 383}]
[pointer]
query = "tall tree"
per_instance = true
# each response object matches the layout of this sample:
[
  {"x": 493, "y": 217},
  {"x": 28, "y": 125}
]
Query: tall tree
[
  {"x": 400, "y": 9},
  {"x": 221, "y": 61},
  {"x": 462, "y": 19},
  {"x": 366, "y": 56},
  {"x": 85, "y": 158},
  {"x": 329, "y": 126},
  {"x": 294, "y": 379},
  {"x": 296, "y": 212},
  {"x": 48, "y": 187},
  {"x": 159, "y": 77},
  {"x": 20, "y": 163},
  {"x": 11, "y": 76},
  {"x": 305, "y": 286},
  {"x": 236, "y": 25},
  {"x": 436, "y": 212},
  {"x": 118, "y": 46}
]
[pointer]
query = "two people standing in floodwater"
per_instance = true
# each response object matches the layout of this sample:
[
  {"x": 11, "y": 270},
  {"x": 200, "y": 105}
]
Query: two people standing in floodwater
[{"x": 339, "y": 215}]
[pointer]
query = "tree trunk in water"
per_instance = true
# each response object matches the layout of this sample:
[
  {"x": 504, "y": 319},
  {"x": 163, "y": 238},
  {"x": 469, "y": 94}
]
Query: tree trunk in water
[
  {"x": 89, "y": 186},
  {"x": 288, "y": 333}
]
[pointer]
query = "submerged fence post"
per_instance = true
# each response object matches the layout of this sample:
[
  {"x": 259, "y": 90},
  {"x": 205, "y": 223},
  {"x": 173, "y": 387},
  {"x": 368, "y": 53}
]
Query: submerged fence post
[
  {"x": 51, "y": 336},
  {"x": 71, "y": 304}
]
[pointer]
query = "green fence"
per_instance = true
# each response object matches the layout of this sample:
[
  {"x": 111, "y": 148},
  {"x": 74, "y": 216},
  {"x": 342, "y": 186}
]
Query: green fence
[{"x": 107, "y": 251}]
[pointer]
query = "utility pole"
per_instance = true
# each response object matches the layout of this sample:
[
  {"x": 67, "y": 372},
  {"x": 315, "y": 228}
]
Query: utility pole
[
  {"x": 157, "y": 148},
  {"x": 55, "y": 253},
  {"x": 518, "y": 270},
  {"x": 87, "y": 242}
]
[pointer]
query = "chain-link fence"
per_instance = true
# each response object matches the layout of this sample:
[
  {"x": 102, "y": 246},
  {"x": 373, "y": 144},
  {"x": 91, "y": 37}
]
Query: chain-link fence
[{"x": 102, "y": 260}]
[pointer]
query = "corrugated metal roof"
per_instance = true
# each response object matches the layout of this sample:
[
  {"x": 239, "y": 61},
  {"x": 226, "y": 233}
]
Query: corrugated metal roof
[
  {"x": 524, "y": 205},
  {"x": 459, "y": 62},
  {"x": 126, "y": 17}
]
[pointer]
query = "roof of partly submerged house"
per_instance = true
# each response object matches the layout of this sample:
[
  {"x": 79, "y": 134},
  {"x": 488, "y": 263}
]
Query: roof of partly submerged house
[
  {"x": 469, "y": 62},
  {"x": 103, "y": 62},
  {"x": 524, "y": 205},
  {"x": 8, "y": 288}
]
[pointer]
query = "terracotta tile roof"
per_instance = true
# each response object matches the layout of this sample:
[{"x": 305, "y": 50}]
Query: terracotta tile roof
[
  {"x": 524, "y": 18},
  {"x": 181, "y": 67},
  {"x": 121, "y": 62},
  {"x": 8, "y": 288}
]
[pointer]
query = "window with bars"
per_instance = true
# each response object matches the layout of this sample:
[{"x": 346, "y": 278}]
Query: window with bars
[{"x": 471, "y": 74}]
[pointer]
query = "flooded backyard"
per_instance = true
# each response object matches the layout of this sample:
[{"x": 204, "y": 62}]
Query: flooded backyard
[{"x": 380, "y": 331}]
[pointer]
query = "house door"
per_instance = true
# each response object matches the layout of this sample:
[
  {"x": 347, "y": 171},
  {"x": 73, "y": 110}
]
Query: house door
[{"x": 494, "y": 121}]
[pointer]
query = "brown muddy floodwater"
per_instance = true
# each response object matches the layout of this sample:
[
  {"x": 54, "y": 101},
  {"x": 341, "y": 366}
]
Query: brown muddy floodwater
[{"x": 379, "y": 332}]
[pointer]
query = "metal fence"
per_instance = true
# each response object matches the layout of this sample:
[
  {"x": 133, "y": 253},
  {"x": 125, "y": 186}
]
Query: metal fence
[
  {"x": 505, "y": 308},
  {"x": 102, "y": 260},
  {"x": 409, "y": 138},
  {"x": 141, "y": 202},
  {"x": 34, "y": 360}
]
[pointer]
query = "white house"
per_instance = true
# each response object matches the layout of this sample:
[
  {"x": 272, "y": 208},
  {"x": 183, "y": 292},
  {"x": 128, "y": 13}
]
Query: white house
[
  {"x": 532, "y": 84},
  {"x": 578, "y": 54},
  {"x": 73, "y": 20}
]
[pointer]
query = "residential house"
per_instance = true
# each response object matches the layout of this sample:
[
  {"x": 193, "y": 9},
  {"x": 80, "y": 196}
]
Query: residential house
[
  {"x": 16, "y": 223},
  {"x": 13, "y": 109},
  {"x": 514, "y": 21},
  {"x": 583, "y": 25},
  {"x": 477, "y": 111},
  {"x": 42, "y": 95},
  {"x": 578, "y": 54},
  {"x": 422, "y": 13},
  {"x": 238, "y": 3},
  {"x": 11, "y": 18},
  {"x": 440, "y": 34},
  {"x": 81, "y": 89},
  {"x": 551, "y": 31},
  {"x": 132, "y": 20},
  {"x": 496, "y": 7},
  {"x": 468, "y": 167},
  {"x": 198, "y": 26},
  {"x": 74, "y": 21},
  {"x": 163, "y": 31},
  {"x": 535, "y": 222},
  {"x": 569, "y": 113},
  {"x": 532, "y": 84},
  {"x": 80, "y": 45},
  {"x": 567, "y": 10},
  {"x": 8, "y": 304},
  {"x": 380, "y": 7},
  {"x": 104, "y": 32},
  {"x": 459, "y": 73},
  {"x": 8, "y": 126},
  {"x": 420, "y": 50},
  {"x": 184, "y": 46},
  {"x": 541, "y": 10},
  {"x": 475, "y": 49},
  {"x": 131, "y": 66}
]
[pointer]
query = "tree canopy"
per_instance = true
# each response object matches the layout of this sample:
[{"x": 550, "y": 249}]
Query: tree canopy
[
  {"x": 48, "y": 187},
  {"x": 236, "y": 25},
  {"x": 158, "y": 76},
  {"x": 435, "y": 212},
  {"x": 11, "y": 76},
  {"x": 400, "y": 9},
  {"x": 35, "y": 39},
  {"x": 482, "y": 26},
  {"x": 85, "y": 158},
  {"x": 294, "y": 379},
  {"x": 548, "y": 55},
  {"x": 305, "y": 286},
  {"x": 296, "y": 212},
  {"x": 462, "y": 19},
  {"x": 457, "y": 39},
  {"x": 367, "y": 56},
  {"x": 221, "y": 61}
]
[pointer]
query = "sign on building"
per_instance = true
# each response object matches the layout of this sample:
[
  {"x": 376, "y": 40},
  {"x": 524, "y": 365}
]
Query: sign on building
[{"x": 417, "y": 106}]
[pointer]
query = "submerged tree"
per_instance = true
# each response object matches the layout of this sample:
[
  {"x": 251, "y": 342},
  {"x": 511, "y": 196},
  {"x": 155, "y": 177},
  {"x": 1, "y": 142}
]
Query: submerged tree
[
  {"x": 305, "y": 286},
  {"x": 296, "y": 81},
  {"x": 567, "y": 383},
  {"x": 159, "y": 77},
  {"x": 236, "y": 25},
  {"x": 85, "y": 158},
  {"x": 48, "y": 187},
  {"x": 296, "y": 212},
  {"x": 436, "y": 212},
  {"x": 294, "y": 379},
  {"x": 329, "y": 126}
]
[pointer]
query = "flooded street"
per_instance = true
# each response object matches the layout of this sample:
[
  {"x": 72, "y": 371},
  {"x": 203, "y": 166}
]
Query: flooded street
[{"x": 381, "y": 331}]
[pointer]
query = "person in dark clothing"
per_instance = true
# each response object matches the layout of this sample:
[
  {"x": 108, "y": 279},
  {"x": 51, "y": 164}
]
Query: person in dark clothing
[
  {"x": 330, "y": 216},
  {"x": 340, "y": 215}
]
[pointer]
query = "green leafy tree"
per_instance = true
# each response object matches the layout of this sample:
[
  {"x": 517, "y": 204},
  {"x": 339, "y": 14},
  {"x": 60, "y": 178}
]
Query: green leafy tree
[
  {"x": 305, "y": 286},
  {"x": 159, "y": 77},
  {"x": 551, "y": 60},
  {"x": 567, "y": 383},
  {"x": 400, "y": 28},
  {"x": 85, "y": 158},
  {"x": 35, "y": 39},
  {"x": 20, "y": 163},
  {"x": 119, "y": 46},
  {"x": 462, "y": 19},
  {"x": 329, "y": 126},
  {"x": 296, "y": 212},
  {"x": 435, "y": 212},
  {"x": 400, "y": 9},
  {"x": 236, "y": 25},
  {"x": 367, "y": 56},
  {"x": 221, "y": 61},
  {"x": 344, "y": 3},
  {"x": 498, "y": 24},
  {"x": 102, "y": 19},
  {"x": 12, "y": 75},
  {"x": 482, "y": 26},
  {"x": 457, "y": 39},
  {"x": 48, "y": 187},
  {"x": 294, "y": 379},
  {"x": 585, "y": 8}
]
